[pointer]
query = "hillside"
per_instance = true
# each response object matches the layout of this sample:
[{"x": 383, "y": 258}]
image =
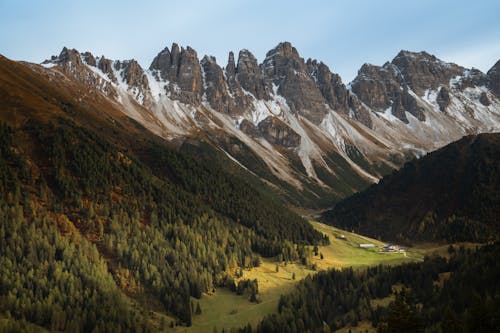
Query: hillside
[
  {"x": 451, "y": 194},
  {"x": 455, "y": 294},
  {"x": 93, "y": 206}
]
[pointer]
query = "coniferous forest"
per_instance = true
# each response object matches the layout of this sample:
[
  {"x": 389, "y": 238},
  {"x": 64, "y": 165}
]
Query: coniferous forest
[
  {"x": 85, "y": 225},
  {"x": 82, "y": 219},
  {"x": 458, "y": 294}
]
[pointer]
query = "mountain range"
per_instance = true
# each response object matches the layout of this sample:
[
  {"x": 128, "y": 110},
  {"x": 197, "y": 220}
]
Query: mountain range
[
  {"x": 128, "y": 195},
  {"x": 292, "y": 122}
]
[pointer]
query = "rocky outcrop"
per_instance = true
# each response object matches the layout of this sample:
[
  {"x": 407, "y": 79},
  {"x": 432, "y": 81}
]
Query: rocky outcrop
[
  {"x": 330, "y": 85},
  {"x": 443, "y": 99},
  {"x": 181, "y": 68},
  {"x": 89, "y": 59},
  {"x": 277, "y": 132},
  {"x": 336, "y": 94},
  {"x": 72, "y": 63},
  {"x": 483, "y": 99},
  {"x": 376, "y": 86},
  {"x": 215, "y": 86},
  {"x": 381, "y": 88},
  {"x": 249, "y": 76},
  {"x": 132, "y": 73},
  {"x": 422, "y": 70},
  {"x": 230, "y": 67},
  {"x": 385, "y": 87},
  {"x": 472, "y": 78},
  {"x": 106, "y": 66},
  {"x": 286, "y": 70},
  {"x": 249, "y": 128},
  {"x": 273, "y": 130},
  {"x": 494, "y": 78},
  {"x": 241, "y": 100},
  {"x": 359, "y": 112}
]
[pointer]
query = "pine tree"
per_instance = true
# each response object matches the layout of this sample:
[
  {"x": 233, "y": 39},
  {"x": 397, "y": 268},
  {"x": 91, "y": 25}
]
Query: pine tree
[{"x": 198, "y": 309}]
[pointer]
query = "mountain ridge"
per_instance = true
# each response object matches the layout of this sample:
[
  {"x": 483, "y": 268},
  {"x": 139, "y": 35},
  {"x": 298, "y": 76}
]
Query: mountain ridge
[{"x": 293, "y": 113}]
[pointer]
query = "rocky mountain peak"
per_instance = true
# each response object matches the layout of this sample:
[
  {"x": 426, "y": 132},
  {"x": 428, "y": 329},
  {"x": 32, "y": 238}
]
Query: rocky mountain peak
[
  {"x": 422, "y": 70},
  {"x": 249, "y": 75},
  {"x": 89, "y": 58},
  {"x": 494, "y": 78},
  {"x": 376, "y": 86},
  {"x": 215, "y": 85},
  {"x": 231, "y": 66},
  {"x": 330, "y": 85},
  {"x": 133, "y": 74},
  {"x": 391, "y": 85},
  {"x": 286, "y": 70},
  {"x": 106, "y": 66},
  {"x": 289, "y": 107},
  {"x": 69, "y": 55},
  {"x": 181, "y": 68},
  {"x": 75, "y": 64},
  {"x": 471, "y": 78},
  {"x": 241, "y": 100},
  {"x": 280, "y": 60}
]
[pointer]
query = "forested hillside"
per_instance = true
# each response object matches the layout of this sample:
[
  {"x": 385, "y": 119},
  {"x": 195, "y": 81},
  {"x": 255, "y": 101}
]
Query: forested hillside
[
  {"x": 452, "y": 194},
  {"x": 83, "y": 219},
  {"x": 459, "y": 294}
]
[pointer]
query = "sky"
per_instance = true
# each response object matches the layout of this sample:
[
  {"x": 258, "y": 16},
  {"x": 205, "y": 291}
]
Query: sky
[{"x": 342, "y": 34}]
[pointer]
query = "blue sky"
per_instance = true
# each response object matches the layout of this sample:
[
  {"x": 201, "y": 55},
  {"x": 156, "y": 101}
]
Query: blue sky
[{"x": 342, "y": 34}]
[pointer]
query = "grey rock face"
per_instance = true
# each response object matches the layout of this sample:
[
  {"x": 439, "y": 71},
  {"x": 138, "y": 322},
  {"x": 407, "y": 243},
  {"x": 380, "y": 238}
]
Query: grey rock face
[
  {"x": 330, "y": 85},
  {"x": 336, "y": 93},
  {"x": 422, "y": 71},
  {"x": 381, "y": 88},
  {"x": 231, "y": 66},
  {"x": 89, "y": 59},
  {"x": 360, "y": 112},
  {"x": 105, "y": 65},
  {"x": 472, "y": 78},
  {"x": 133, "y": 74},
  {"x": 494, "y": 78},
  {"x": 284, "y": 68},
  {"x": 278, "y": 133},
  {"x": 384, "y": 87},
  {"x": 249, "y": 128},
  {"x": 483, "y": 99},
  {"x": 376, "y": 86},
  {"x": 443, "y": 99},
  {"x": 183, "y": 71},
  {"x": 216, "y": 92},
  {"x": 240, "y": 99},
  {"x": 249, "y": 76}
]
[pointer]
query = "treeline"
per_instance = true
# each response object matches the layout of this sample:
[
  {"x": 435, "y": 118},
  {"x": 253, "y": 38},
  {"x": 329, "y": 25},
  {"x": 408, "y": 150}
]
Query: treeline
[
  {"x": 161, "y": 233},
  {"x": 459, "y": 294}
]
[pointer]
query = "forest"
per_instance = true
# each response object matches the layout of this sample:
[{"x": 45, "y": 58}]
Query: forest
[
  {"x": 84, "y": 222},
  {"x": 450, "y": 195},
  {"x": 455, "y": 294}
]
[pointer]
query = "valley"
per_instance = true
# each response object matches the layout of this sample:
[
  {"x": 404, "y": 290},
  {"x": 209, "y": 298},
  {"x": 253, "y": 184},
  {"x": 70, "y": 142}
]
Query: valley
[
  {"x": 172, "y": 198},
  {"x": 235, "y": 311}
]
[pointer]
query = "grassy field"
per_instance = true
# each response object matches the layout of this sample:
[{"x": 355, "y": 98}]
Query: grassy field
[{"x": 225, "y": 309}]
